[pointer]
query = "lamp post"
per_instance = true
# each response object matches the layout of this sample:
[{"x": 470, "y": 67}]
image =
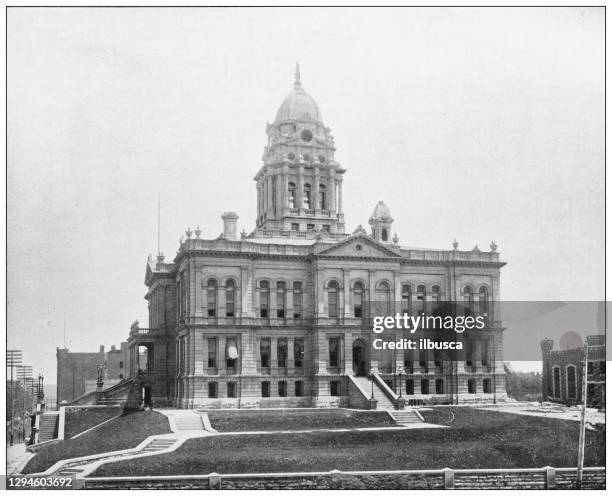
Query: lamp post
[{"x": 372, "y": 383}]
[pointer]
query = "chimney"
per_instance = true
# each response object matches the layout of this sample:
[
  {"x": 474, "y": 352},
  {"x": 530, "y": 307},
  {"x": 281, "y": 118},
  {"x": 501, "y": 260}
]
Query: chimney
[
  {"x": 101, "y": 348},
  {"x": 230, "y": 230}
]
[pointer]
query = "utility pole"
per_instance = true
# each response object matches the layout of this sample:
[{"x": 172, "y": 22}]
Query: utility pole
[
  {"x": 13, "y": 359},
  {"x": 581, "y": 440}
]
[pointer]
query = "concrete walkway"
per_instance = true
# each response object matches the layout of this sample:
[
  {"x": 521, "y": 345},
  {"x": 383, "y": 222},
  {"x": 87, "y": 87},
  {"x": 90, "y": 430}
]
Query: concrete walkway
[{"x": 16, "y": 456}]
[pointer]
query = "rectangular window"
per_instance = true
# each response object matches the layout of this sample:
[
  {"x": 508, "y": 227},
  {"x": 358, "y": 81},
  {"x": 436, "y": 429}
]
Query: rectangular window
[
  {"x": 486, "y": 385},
  {"x": 409, "y": 386},
  {"x": 334, "y": 352},
  {"x": 309, "y": 227},
  {"x": 424, "y": 360},
  {"x": 299, "y": 388},
  {"x": 295, "y": 227},
  {"x": 437, "y": 358},
  {"x": 211, "y": 298},
  {"x": 472, "y": 386},
  {"x": 281, "y": 352},
  {"x": 425, "y": 386},
  {"x": 485, "y": 353},
  {"x": 264, "y": 350},
  {"x": 297, "y": 300},
  {"x": 231, "y": 350},
  {"x": 265, "y": 389},
  {"x": 469, "y": 351},
  {"x": 602, "y": 367},
  {"x": 334, "y": 388},
  {"x": 282, "y": 389},
  {"x": 212, "y": 390},
  {"x": 229, "y": 301},
  {"x": 120, "y": 376},
  {"x": 231, "y": 389},
  {"x": 120, "y": 365},
  {"x": 298, "y": 353},
  {"x": 212, "y": 353},
  {"x": 332, "y": 297},
  {"x": 325, "y": 227},
  {"x": 264, "y": 300},
  {"x": 280, "y": 300},
  {"x": 439, "y": 386},
  {"x": 589, "y": 368}
]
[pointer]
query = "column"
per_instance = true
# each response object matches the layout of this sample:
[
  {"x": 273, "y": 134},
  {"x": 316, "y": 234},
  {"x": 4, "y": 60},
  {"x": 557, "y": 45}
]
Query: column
[
  {"x": 221, "y": 355},
  {"x": 332, "y": 190},
  {"x": 279, "y": 195},
  {"x": 346, "y": 276},
  {"x": 340, "y": 195},
  {"x": 246, "y": 291},
  {"x": 300, "y": 187},
  {"x": 258, "y": 201},
  {"x": 290, "y": 358},
  {"x": 204, "y": 354},
  {"x": 273, "y": 356},
  {"x": 315, "y": 190},
  {"x": 270, "y": 206},
  {"x": 199, "y": 348},
  {"x": 285, "y": 187}
]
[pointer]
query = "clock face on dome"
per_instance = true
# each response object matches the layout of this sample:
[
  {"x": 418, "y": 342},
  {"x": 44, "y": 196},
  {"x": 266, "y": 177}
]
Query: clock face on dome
[{"x": 306, "y": 135}]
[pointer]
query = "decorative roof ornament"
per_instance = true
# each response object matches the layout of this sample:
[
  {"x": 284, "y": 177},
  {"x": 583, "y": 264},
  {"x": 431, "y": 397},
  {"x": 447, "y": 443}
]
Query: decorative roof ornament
[
  {"x": 297, "y": 83},
  {"x": 395, "y": 239},
  {"x": 243, "y": 234},
  {"x": 359, "y": 230},
  {"x": 198, "y": 231},
  {"x": 182, "y": 240},
  {"x": 475, "y": 248},
  {"x": 189, "y": 232},
  {"x": 455, "y": 245},
  {"x": 493, "y": 246}
]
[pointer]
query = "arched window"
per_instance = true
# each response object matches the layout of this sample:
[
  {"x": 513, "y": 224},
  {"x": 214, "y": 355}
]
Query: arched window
[
  {"x": 384, "y": 235},
  {"x": 468, "y": 301},
  {"x": 291, "y": 195},
  {"x": 332, "y": 299},
  {"x": 384, "y": 297},
  {"x": 280, "y": 299},
  {"x": 358, "y": 300},
  {"x": 483, "y": 301},
  {"x": 421, "y": 299},
  {"x": 557, "y": 382},
  {"x": 407, "y": 299},
  {"x": 230, "y": 293},
  {"x": 264, "y": 298},
  {"x": 571, "y": 381},
  {"x": 211, "y": 297},
  {"x": 297, "y": 300},
  {"x": 322, "y": 197},
  {"x": 306, "y": 199}
]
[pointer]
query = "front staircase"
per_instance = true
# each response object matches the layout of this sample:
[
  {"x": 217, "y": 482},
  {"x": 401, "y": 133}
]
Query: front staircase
[
  {"x": 48, "y": 427},
  {"x": 189, "y": 423},
  {"x": 365, "y": 384},
  {"x": 407, "y": 417}
]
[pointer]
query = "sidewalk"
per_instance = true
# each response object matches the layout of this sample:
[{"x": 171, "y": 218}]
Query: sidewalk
[{"x": 15, "y": 456}]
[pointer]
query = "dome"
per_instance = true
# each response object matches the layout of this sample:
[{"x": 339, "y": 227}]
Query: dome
[
  {"x": 381, "y": 212},
  {"x": 298, "y": 104}
]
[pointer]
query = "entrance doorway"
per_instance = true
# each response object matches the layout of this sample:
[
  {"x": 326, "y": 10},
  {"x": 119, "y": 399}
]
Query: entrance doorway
[
  {"x": 359, "y": 358},
  {"x": 147, "y": 395}
]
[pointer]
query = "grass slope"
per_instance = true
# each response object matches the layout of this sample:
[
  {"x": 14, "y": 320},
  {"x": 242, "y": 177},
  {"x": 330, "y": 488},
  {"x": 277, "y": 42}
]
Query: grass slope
[
  {"x": 474, "y": 439},
  {"x": 278, "y": 420},
  {"x": 124, "y": 432},
  {"x": 79, "y": 420}
]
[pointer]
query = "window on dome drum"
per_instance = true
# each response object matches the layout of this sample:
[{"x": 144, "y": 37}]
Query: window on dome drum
[
  {"x": 439, "y": 386},
  {"x": 291, "y": 196},
  {"x": 281, "y": 352},
  {"x": 231, "y": 390},
  {"x": 483, "y": 301},
  {"x": 213, "y": 390},
  {"x": 322, "y": 200},
  {"x": 265, "y": 389},
  {"x": 421, "y": 300},
  {"x": 571, "y": 381},
  {"x": 406, "y": 299},
  {"x": 409, "y": 386},
  {"x": 468, "y": 301},
  {"x": 212, "y": 352},
  {"x": 298, "y": 353},
  {"x": 486, "y": 385},
  {"x": 297, "y": 300},
  {"x": 306, "y": 199},
  {"x": 358, "y": 300},
  {"x": 424, "y": 386},
  {"x": 334, "y": 388},
  {"x": 472, "y": 386},
  {"x": 384, "y": 235},
  {"x": 299, "y": 388},
  {"x": 264, "y": 298},
  {"x": 334, "y": 352},
  {"x": 230, "y": 291},
  {"x": 282, "y": 389},
  {"x": 264, "y": 351},
  {"x": 211, "y": 297},
  {"x": 332, "y": 299},
  {"x": 280, "y": 299}
]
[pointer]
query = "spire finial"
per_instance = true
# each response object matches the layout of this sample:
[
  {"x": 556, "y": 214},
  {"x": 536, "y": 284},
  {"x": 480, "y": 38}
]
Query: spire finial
[{"x": 297, "y": 83}]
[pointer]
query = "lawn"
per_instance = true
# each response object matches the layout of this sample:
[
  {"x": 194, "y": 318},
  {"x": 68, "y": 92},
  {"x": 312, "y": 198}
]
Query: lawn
[
  {"x": 80, "y": 419},
  {"x": 474, "y": 439},
  {"x": 124, "y": 432},
  {"x": 277, "y": 420}
]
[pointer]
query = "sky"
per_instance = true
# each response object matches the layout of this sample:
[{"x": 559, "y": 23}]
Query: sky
[{"x": 475, "y": 124}]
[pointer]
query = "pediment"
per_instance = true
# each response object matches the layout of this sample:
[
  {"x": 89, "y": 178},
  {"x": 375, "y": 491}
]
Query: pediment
[{"x": 359, "y": 246}]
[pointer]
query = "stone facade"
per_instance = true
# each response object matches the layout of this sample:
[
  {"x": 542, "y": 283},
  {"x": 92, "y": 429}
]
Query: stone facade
[
  {"x": 281, "y": 316},
  {"x": 563, "y": 373}
]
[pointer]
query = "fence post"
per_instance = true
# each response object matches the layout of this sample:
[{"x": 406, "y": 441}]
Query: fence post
[
  {"x": 449, "y": 478},
  {"x": 551, "y": 476},
  {"x": 214, "y": 481}
]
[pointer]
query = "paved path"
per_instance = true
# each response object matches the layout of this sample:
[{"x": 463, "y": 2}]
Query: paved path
[{"x": 16, "y": 455}]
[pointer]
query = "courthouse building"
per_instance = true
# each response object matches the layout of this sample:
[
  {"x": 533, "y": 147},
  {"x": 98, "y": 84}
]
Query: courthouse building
[{"x": 281, "y": 316}]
